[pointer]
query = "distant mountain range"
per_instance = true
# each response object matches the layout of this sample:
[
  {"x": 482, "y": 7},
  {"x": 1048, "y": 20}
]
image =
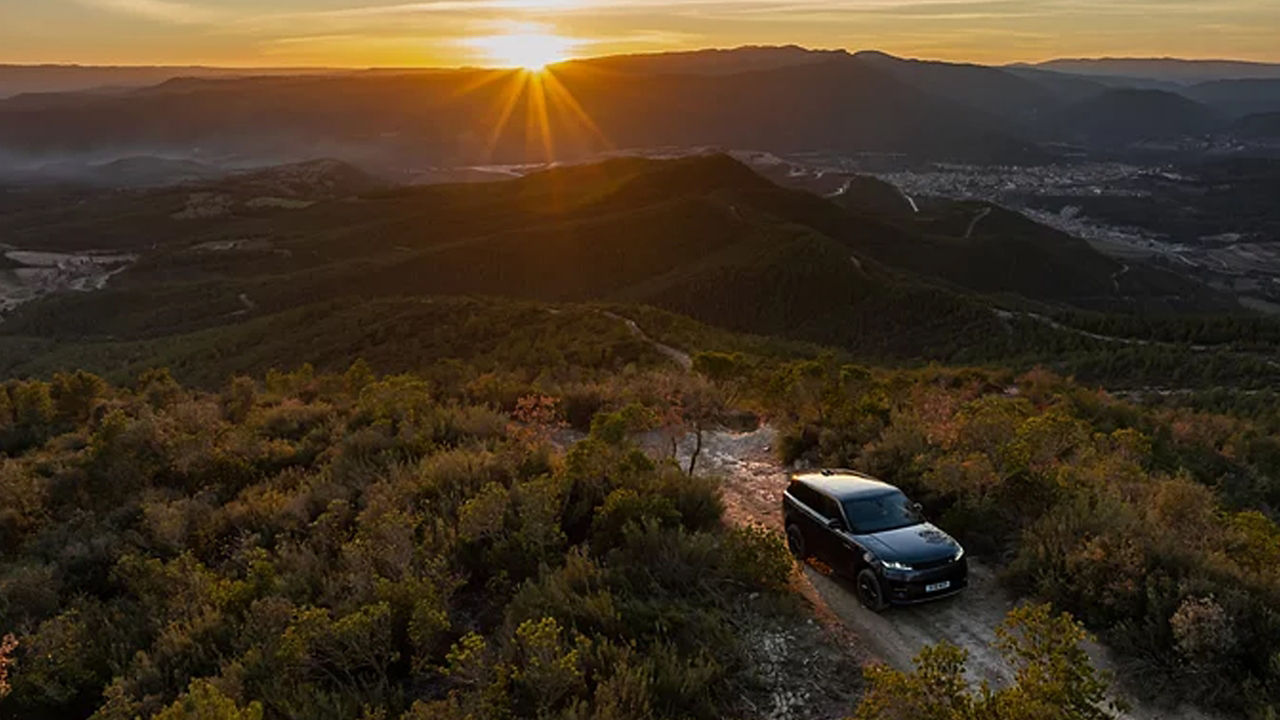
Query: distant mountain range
[
  {"x": 778, "y": 99},
  {"x": 1172, "y": 70},
  {"x": 22, "y": 79}
]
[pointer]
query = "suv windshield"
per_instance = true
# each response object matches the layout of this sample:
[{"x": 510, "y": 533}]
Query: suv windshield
[{"x": 882, "y": 512}]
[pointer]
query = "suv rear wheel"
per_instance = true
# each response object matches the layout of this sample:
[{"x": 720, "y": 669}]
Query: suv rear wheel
[
  {"x": 795, "y": 542},
  {"x": 870, "y": 593}
]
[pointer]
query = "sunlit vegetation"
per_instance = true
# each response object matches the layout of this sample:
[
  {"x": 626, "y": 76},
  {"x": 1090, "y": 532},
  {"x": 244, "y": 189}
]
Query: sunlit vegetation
[
  {"x": 1053, "y": 678},
  {"x": 1154, "y": 527},
  {"x": 322, "y": 544},
  {"x": 344, "y": 546}
]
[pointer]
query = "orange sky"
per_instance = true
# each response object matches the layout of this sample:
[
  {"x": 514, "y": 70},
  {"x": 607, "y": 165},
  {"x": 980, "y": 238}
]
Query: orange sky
[{"x": 364, "y": 33}]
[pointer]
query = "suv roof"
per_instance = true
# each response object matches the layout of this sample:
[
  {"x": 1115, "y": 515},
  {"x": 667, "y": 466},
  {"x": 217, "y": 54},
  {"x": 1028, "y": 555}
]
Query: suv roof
[{"x": 844, "y": 484}]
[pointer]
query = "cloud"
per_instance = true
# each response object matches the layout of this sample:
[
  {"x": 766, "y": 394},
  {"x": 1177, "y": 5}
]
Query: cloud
[
  {"x": 431, "y": 7},
  {"x": 371, "y": 31},
  {"x": 157, "y": 10}
]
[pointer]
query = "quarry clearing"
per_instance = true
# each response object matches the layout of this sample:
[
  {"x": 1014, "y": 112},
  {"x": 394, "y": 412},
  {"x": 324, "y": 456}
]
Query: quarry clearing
[{"x": 29, "y": 274}]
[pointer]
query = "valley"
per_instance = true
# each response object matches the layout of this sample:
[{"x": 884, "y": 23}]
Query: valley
[{"x": 1200, "y": 219}]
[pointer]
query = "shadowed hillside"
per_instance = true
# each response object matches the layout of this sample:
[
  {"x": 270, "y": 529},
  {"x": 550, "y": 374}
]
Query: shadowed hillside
[{"x": 702, "y": 236}]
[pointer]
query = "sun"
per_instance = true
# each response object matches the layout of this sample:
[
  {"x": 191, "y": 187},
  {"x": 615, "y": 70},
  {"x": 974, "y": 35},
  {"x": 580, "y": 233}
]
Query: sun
[{"x": 531, "y": 51}]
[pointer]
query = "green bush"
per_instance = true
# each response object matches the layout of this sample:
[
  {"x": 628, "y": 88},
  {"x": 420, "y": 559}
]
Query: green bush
[
  {"x": 352, "y": 548},
  {"x": 1054, "y": 678}
]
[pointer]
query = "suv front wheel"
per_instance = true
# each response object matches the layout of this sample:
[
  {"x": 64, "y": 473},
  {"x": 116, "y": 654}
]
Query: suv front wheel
[
  {"x": 870, "y": 592},
  {"x": 795, "y": 542}
]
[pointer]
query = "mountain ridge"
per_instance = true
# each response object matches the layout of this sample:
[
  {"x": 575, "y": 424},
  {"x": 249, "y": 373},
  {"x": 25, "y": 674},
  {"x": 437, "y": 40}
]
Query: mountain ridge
[
  {"x": 704, "y": 237},
  {"x": 778, "y": 99}
]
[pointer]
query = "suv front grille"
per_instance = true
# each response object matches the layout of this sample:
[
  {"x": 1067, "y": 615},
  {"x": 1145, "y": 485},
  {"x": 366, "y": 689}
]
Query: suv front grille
[{"x": 933, "y": 564}]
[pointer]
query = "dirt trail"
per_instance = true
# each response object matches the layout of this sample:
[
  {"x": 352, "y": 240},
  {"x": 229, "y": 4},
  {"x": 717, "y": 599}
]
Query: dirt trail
[
  {"x": 680, "y": 357},
  {"x": 754, "y": 482},
  {"x": 973, "y": 224}
]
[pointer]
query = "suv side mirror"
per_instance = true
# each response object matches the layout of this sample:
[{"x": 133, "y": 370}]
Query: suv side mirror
[
  {"x": 918, "y": 507},
  {"x": 835, "y": 524}
]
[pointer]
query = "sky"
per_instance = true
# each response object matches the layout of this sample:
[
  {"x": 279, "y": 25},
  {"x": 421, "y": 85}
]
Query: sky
[{"x": 404, "y": 33}]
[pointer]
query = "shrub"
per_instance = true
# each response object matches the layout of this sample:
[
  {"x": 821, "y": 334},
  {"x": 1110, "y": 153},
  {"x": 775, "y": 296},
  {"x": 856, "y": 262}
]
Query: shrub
[
  {"x": 758, "y": 558},
  {"x": 203, "y": 701},
  {"x": 7, "y": 645},
  {"x": 695, "y": 498},
  {"x": 239, "y": 399},
  {"x": 625, "y": 508},
  {"x": 292, "y": 420},
  {"x": 159, "y": 388},
  {"x": 1204, "y": 633},
  {"x": 76, "y": 394},
  {"x": 1054, "y": 678}
]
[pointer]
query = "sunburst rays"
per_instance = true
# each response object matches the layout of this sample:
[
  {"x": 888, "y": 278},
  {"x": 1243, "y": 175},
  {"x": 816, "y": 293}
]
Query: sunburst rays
[{"x": 551, "y": 114}]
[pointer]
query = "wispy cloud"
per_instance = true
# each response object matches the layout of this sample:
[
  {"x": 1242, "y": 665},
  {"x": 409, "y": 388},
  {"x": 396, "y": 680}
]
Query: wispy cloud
[
  {"x": 157, "y": 10},
  {"x": 430, "y": 31}
]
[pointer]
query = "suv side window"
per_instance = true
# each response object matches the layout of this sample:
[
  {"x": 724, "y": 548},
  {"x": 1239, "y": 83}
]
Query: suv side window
[
  {"x": 825, "y": 506},
  {"x": 806, "y": 495},
  {"x": 830, "y": 509}
]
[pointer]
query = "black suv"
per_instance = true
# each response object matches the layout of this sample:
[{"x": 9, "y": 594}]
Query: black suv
[{"x": 870, "y": 531}]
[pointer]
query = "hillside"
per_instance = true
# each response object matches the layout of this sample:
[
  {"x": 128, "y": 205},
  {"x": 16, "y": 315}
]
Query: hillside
[
  {"x": 1266, "y": 125},
  {"x": 705, "y": 237},
  {"x": 683, "y": 235},
  {"x": 1022, "y": 101},
  {"x": 346, "y": 542},
  {"x": 728, "y": 233},
  {"x": 1174, "y": 70},
  {"x": 1123, "y": 116},
  {"x": 439, "y": 544},
  {"x": 1238, "y": 98}
]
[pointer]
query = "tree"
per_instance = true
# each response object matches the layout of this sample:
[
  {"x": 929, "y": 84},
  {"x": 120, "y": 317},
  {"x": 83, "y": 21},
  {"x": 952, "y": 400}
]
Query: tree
[
  {"x": 357, "y": 377},
  {"x": 730, "y": 372},
  {"x": 75, "y": 394},
  {"x": 204, "y": 701},
  {"x": 239, "y": 399},
  {"x": 1054, "y": 678},
  {"x": 690, "y": 406},
  {"x": 158, "y": 387},
  {"x": 33, "y": 411}
]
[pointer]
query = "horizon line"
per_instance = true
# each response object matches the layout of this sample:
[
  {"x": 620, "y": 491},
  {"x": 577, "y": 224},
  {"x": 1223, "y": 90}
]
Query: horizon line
[{"x": 63, "y": 65}]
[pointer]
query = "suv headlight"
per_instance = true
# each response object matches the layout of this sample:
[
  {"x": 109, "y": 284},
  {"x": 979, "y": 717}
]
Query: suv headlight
[
  {"x": 894, "y": 565},
  {"x": 959, "y": 554}
]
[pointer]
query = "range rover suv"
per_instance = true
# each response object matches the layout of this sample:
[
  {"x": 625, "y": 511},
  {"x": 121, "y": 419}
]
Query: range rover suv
[{"x": 869, "y": 530}]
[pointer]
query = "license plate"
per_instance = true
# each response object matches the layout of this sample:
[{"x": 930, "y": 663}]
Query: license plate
[{"x": 937, "y": 586}]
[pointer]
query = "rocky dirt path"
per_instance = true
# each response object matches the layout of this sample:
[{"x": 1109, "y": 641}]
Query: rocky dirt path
[
  {"x": 753, "y": 485},
  {"x": 679, "y": 357}
]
